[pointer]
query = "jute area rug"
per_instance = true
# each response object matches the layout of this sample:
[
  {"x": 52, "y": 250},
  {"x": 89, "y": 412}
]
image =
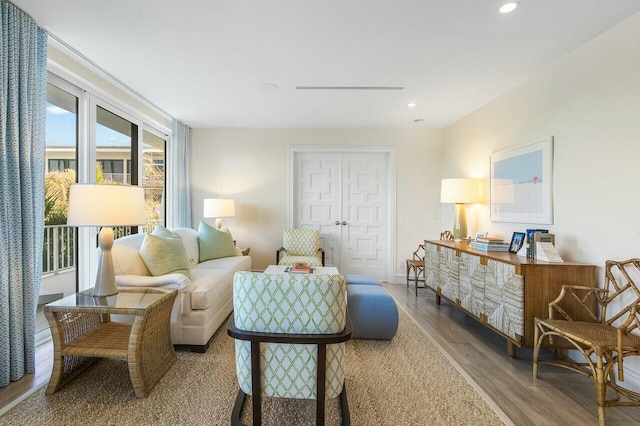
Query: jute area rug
[{"x": 405, "y": 381}]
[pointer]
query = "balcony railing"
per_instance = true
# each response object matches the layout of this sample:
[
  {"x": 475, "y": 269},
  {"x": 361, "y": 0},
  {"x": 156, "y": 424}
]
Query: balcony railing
[
  {"x": 59, "y": 251},
  {"x": 120, "y": 178}
]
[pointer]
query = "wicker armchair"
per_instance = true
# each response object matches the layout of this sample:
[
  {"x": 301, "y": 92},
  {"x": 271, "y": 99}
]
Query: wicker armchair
[
  {"x": 447, "y": 236},
  {"x": 606, "y": 340},
  {"x": 415, "y": 266}
]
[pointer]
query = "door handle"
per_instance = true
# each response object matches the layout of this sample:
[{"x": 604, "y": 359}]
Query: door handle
[
  {"x": 344, "y": 222},
  {"x": 337, "y": 222}
]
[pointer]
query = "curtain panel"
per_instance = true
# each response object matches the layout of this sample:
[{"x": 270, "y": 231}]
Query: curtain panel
[
  {"x": 179, "y": 179},
  {"x": 23, "y": 79}
]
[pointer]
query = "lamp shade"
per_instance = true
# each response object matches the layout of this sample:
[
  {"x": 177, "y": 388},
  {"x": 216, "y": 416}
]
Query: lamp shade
[
  {"x": 219, "y": 207},
  {"x": 106, "y": 205},
  {"x": 460, "y": 190}
]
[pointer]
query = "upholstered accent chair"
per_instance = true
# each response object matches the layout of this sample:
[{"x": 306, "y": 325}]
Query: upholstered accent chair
[
  {"x": 290, "y": 331},
  {"x": 300, "y": 245}
]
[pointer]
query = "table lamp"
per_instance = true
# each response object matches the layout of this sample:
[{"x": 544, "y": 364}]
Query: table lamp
[
  {"x": 460, "y": 191},
  {"x": 219, "y": 208},
  {"x": 106, "y": 206}
]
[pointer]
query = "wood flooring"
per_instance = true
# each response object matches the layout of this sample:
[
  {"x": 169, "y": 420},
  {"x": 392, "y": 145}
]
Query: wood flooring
[{"x": 558, "y": 397}]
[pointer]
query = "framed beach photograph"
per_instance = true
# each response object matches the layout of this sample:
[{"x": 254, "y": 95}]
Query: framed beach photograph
[
  {"x": 516, "y": 242},
  {"x": 520, "y": 187}
]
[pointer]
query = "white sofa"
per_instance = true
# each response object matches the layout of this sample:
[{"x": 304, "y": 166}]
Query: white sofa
[{"x": 205, "y": 299}]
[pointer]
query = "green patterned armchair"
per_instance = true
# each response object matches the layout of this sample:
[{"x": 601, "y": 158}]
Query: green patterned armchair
[
  {"x": 290, "y": 331},
  {"x": 300, "y": 245}
]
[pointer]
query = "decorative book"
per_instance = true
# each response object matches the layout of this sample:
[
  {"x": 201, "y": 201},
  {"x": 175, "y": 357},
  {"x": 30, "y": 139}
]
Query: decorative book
[
  {"x": 546, "y": 252},
  {"x": 300, "y": 268}
]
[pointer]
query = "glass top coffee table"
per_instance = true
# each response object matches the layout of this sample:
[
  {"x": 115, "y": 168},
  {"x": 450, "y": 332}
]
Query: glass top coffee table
[
  {"x": 82, "y": 330},
  {"x": 320, "y": 270}
]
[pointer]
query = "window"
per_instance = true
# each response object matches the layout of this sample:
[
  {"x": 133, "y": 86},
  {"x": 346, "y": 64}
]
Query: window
[
  {"x": 153, "y": 179},
  {"x": 61, "y": 165},
  {"x": 59, "y": 256}
]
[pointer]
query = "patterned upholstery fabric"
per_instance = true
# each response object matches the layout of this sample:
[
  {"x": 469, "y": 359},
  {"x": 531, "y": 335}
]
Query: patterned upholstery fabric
[
  {"x": 284, "y": 303},
  {"x": 300, "y": 245},
  {"x": 23, "y": 84}
]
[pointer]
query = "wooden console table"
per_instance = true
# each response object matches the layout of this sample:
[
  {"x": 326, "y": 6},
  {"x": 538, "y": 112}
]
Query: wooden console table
[
  {"x": 81, "y": 330},
  {"x": 501, "y": 290}
]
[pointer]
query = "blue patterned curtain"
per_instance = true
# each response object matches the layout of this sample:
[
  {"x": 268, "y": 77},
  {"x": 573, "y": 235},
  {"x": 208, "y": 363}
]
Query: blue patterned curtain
[
  {"x": 23, "y": 84},
  {"x": 179, "y": 180}
]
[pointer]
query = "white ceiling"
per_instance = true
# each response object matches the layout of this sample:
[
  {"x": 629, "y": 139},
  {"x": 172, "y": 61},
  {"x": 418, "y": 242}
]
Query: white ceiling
[{"x": 204, "y": 61}]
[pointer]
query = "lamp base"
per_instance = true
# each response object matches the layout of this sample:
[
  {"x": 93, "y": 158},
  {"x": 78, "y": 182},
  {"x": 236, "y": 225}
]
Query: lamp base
[
  {"x": 105, "y": 278},
  {"x": 459, "y": 222},
  {"x": 218, "y": 223}
]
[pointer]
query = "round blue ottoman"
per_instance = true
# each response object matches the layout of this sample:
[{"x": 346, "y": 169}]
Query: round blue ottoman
[
  {"x": 360, "y": 279},
  {"x": 373, "y": 312}
]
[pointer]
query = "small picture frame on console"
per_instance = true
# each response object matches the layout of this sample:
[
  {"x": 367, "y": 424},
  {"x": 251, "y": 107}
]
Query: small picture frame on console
[{"x": 516, "y": 242}]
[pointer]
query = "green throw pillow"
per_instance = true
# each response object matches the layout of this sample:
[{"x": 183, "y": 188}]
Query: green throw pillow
[
  {"x": 214, "y": 243},
  {"x": 161, "y": 231},
  {"x": 164, "y": 255}
]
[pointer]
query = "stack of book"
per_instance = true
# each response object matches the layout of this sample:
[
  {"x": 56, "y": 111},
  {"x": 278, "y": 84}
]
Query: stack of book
[
  {"x": 489, "y": 244},
  {"x": 300, "y": 268}
]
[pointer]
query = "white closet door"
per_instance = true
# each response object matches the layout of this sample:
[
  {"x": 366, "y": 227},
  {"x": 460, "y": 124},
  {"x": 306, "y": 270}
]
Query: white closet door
[
  {"x": 317, "y": 200},
  {"x": 364, "y": 214},
  {"x": 345, "y": 197}
]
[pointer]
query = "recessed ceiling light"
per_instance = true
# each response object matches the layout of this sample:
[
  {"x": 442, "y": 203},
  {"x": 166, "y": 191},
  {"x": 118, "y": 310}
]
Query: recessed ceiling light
[
  {"x": 509, "y": 6},
  {"x": 418, "y": 120},
  {"x": 269, "y": 86},
  {"x": 412, "y": 104}
]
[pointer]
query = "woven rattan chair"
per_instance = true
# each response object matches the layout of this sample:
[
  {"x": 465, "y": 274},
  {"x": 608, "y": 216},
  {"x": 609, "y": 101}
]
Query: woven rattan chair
[
  {"x": 606, "y": 340},
  {"x": 447, "y": 236},
  {"x": 415, "y": 267}
]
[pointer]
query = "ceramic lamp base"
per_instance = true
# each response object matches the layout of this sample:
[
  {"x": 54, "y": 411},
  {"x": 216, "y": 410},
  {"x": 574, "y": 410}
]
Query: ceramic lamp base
[{"x": 459, "y": 222}]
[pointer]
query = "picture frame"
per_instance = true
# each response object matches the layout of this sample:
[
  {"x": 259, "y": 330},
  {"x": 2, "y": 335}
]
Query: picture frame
[
  {"x": 521, "y": 183},
  {"x": 517, "y": 240}
]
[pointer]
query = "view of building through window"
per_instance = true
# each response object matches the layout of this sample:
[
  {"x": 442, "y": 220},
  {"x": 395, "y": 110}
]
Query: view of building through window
[{"x": 117, "y": 158}]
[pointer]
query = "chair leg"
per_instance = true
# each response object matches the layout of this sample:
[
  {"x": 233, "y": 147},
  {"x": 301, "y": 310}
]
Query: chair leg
[
  {"x": 344, "y": 406},
  {"x": 601, "y": 388},
  {"x": 536, "y": 350},
  {"x": 236, "y": 414},
  {"x": 320, "y": 383},
  {"x": 256, "y": 386},
  {"x": 408, "y": 267}
]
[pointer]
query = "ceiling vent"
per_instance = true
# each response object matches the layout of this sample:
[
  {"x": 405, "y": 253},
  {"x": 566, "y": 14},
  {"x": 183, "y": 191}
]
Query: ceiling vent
[{"x": 350, "y": 87}]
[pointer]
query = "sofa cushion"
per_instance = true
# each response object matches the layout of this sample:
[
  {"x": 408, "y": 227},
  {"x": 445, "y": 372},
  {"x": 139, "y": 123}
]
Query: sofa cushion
[
  {"x": 126, "y": 256},
  {"x": 161, "y": 231},
  {"x": 209, "y": 285},
  {"x": 214, "y": 243},
  {"x": 233, "y": 263},
  {"x": 164, "y": 255},
  {"x": 190, "y": 241}
]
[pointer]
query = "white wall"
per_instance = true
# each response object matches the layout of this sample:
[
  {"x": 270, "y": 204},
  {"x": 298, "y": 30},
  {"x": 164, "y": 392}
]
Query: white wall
[
  {"x": 590, "y": 102},
  {"x": 251, "y": 166}
]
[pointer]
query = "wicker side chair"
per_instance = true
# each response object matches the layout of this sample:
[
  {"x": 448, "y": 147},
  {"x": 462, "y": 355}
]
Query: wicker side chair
[
  {"x": 415, "y": 267},
  {"x": 604, "y": 341},
  {"x": 447, "y": 236}
]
